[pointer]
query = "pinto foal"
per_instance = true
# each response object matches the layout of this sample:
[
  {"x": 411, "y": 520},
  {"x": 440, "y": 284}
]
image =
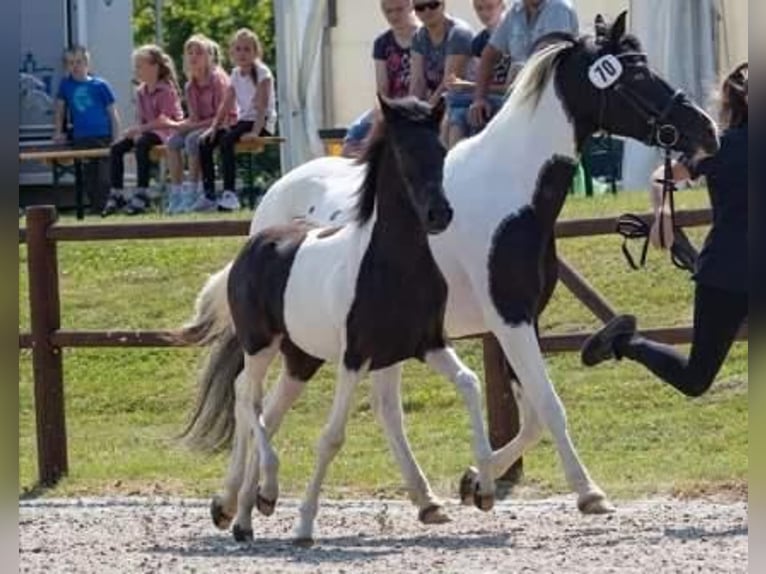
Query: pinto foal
[{"x": 367, "y": 296}]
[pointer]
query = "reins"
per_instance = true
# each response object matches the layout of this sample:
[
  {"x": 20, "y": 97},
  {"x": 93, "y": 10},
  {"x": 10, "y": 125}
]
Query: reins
[
  {"x": 682, "y": 253},
  {"x": 665, "y": 135}
]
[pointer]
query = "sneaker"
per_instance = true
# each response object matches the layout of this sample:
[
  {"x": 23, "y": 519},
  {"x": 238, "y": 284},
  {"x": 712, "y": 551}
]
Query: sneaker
[
  {"x": 229, "y": 201},
  {"x": 599, "y": 347},
  {"x": 114, "y": 202},
  {"x": 204, "y": 205},
  {"x": 189, "y": 196},
  {"x": 175, "y": 200},
  {"x": 138, "y": 204}
]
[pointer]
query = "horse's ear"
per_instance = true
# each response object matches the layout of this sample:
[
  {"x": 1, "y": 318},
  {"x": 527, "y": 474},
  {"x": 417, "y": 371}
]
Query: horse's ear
[
  {"x": 437, "y": 112},
  {"x": 619, "y": 28},
  {"x": 601, "y": 29}
]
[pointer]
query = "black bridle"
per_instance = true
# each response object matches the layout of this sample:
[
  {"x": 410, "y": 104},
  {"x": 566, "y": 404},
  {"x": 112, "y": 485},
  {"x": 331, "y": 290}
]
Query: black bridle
[{"x": 665, "y": 135}]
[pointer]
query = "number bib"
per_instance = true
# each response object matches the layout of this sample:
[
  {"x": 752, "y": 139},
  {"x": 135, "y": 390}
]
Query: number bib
[{"x": 605, "y": 72}]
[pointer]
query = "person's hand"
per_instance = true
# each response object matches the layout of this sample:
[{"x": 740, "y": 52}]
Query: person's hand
[
  {"x": 132, "y": 132},
  {"x": 667, "y": 227},
  {"x": 207, "y": 134},
  {"x": 59, "y": 138},
  {"x": 478, "y": 112}
]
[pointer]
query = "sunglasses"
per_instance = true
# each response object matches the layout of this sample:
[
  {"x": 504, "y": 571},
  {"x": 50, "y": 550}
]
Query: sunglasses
[{"x": 435, "y": 5}]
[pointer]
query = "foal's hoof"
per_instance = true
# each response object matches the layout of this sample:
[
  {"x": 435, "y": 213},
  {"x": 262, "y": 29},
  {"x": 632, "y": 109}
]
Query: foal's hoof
[
  {"x": 303, "y": 542},
  {"x": 264, "y": 505},
  {"x": 433, "y": 514},
  {"x": 595, "y": 503},
  {"x": 242, "y": 534},
  {"x": 484, "y": 502},
  {"x": 468, "y": 486},
  {"x": 219, "y": 516}
]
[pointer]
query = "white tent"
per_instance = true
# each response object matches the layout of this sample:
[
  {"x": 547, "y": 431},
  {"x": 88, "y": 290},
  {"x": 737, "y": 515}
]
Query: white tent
[
  {"x": 687, "y": 44},
  {"x": 300, "y": 25}
]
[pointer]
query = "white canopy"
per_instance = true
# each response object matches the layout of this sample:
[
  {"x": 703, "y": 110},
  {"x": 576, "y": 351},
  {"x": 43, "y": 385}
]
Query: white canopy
[
  {"x": 680, "y": 40},
  {"x": 299, "y": 30}
]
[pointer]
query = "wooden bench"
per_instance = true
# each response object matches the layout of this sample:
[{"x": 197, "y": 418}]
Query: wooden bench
[{"x": 63, "y": 154}]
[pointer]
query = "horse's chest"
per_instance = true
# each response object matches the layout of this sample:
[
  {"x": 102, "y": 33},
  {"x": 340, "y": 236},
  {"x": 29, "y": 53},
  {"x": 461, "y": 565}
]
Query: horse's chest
[{"x": 397, "y": 311}]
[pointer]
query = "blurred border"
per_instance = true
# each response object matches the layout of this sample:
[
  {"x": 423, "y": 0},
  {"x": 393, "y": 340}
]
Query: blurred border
[{"x": 10, "y": 25}]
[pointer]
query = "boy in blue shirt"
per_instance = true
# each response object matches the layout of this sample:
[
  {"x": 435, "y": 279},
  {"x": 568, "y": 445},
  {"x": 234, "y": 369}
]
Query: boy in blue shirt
[{"x": 90, "y": 104}]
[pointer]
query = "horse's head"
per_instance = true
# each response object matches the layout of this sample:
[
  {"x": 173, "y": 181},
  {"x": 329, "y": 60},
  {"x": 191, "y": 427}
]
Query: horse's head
[
  {"x": 608, "y": 86},
  {"x": 412, "y": 130}
]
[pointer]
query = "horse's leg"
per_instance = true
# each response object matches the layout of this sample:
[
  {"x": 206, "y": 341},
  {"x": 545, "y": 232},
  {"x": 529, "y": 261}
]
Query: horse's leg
[
  {"x": 330, "y": 442},
  {"x": 276, "y": 404},
  {"x": 387, "y": 405},
  {"x": 224, "y": 507},
  {"x": 530, "y": 432},
  {"x": 249, "y": 393},
  {"x": 446, "y": 362},
  {"x": 523, "y": 351}
]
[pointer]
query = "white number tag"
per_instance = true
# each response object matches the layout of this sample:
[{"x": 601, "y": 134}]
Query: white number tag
[{"x": 605, "y": 72}]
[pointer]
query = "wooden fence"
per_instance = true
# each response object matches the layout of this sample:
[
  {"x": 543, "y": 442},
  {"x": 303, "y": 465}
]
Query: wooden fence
[{"x": 47, "y": 339}]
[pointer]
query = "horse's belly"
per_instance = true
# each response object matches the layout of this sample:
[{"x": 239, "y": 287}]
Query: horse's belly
[{"x": 318, "y": 295}]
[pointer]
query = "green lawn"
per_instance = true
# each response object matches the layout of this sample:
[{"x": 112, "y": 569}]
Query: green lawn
[{"x": 125, "y": 406}]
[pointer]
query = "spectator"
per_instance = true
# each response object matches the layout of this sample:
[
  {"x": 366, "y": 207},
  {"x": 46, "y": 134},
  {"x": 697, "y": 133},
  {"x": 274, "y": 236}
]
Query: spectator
[
  {"x": 391, "y": 54},
  {"x": 205, "y": 92},
  {"x": 90, "y": 104},
  {"x": 159, "y": 112},
  {"x": 440, "y": 49},
  {"x": 460, "y": 95},
  {"x": 522, "y": 26},
  {"x": 252, "y": 89},
  {"x": 721, "y": 294}
]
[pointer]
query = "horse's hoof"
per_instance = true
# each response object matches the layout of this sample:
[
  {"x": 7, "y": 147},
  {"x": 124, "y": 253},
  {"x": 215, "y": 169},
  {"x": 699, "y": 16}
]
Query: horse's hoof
[
  {"x": 468, "y": 486},
  {"x": 595, "y": 503},
  {"x": 433, "y": 514},
  {"x": 219, "y": 516},
  {"x": 264, "y": 505},
  {"x": 484, "y": 502},
  {"x": 303, "y": 542},
  {"x": 242, "y": 534}
]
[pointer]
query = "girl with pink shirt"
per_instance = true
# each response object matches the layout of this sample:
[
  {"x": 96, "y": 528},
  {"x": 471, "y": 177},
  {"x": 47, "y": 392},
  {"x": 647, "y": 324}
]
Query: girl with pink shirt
[
  {"x": 158, "y": 107},
  {"x": 205, "y": 92}
]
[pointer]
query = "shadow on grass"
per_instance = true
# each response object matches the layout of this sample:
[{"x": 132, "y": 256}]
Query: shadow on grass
[
  {"x": 34, "y": 492},
  {"x": 332, "y": 549}
]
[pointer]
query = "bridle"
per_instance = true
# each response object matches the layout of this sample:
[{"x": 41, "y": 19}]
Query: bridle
[{"x": 659, "y": 133}]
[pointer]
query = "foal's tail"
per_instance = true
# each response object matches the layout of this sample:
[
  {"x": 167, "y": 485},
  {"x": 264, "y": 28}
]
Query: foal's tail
[{"x": 212, "y": 423}]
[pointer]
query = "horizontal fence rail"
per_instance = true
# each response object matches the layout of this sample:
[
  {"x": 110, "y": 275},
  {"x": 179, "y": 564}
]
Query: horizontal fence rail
[{"x": 47, "y": 339}]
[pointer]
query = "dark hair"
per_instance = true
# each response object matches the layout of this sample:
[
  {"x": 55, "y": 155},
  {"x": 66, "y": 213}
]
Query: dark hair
[{"x": 734, "y": 98}]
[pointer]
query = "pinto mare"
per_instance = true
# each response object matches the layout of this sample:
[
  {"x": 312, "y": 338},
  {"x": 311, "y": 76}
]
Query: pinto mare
[
  {"x": 506, "y": 186},
  {"x": 367, "y": 295}
]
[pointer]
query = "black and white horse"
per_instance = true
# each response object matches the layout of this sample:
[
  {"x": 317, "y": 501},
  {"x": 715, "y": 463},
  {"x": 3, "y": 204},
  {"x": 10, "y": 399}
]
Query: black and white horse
[
  {"x": 367, "y": 295},
  {"x": 507, "y": 186}
]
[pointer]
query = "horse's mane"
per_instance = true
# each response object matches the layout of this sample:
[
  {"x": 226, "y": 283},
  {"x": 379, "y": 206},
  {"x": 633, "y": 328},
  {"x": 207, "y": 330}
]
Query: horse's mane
[
  {"x": 410, "y": 108},
  {"x": 536, "y": 73},
  {"x": 547, "y": 52}
]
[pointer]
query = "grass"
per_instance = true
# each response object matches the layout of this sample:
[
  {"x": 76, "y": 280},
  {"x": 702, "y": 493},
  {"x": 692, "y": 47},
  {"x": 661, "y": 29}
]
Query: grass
[{"x": 125, "y": 406}]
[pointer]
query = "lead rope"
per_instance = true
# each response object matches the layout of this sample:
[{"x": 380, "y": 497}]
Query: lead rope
[{"x": 630, "y": 226}]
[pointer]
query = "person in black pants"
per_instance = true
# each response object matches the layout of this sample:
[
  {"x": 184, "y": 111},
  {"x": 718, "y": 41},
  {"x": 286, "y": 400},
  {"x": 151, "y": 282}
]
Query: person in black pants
[{"x": 721, "y": 297}]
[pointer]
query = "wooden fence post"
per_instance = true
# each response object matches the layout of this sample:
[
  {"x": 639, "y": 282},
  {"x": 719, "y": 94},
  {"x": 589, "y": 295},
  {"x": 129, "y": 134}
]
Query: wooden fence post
[
  {"x": 502, "y": 410},
  {"x": 46, "y": 358}
]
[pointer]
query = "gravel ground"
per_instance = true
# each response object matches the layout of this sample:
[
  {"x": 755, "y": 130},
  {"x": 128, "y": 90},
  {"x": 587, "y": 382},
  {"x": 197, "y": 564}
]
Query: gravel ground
[{"x": 357, "y": 537}]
